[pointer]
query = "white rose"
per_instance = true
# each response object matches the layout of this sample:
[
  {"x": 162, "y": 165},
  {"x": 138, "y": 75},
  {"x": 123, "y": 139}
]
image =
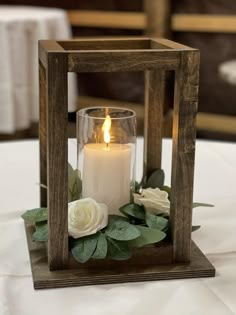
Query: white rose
[
  {"x": 86, "y": 217},
  {"x": 155, "y": 201}
]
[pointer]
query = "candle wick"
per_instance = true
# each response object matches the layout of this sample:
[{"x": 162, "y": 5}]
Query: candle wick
[{"x": 107, "y": 144}]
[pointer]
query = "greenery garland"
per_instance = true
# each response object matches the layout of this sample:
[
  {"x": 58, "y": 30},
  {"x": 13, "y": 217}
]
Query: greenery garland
[{"x": 136, "y": 228}]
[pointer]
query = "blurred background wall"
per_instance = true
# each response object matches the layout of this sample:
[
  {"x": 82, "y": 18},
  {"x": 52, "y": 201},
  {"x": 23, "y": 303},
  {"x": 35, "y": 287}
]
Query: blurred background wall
[{"x": 216, "y": 95}]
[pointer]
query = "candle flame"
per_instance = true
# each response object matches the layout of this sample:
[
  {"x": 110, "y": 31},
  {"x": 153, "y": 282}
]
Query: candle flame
[{"x": 106, "y": 129}]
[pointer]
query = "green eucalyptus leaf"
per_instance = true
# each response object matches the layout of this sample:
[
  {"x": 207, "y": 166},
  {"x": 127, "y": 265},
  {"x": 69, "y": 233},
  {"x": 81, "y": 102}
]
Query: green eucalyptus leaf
[
  {"x": 195, "y": 227},
  {"x": 148, "y": 236},
  {"x": 118, "y": 250},
  {"x": 70, "y": 174},
  {"x": 156, "y": 179},
  {"x": 77, "y": 187},
  {"x": 164, "y": 215},
  {"x": 134, "y": 210},
  {"x": 114, "y": 217},
  {"x": 156, "y": 222},
  {"x": 83, "y": 248},
  {"x": 101, "y": 249},
  {"x": 69, "y": 196},
  {"x": 122, "y": 231},
  {"x": 200, "y": 204},
  {"x": 74, "y": 184},
  {"x": 36, "y": 215},
  {"x": 165, "y": 230},
  {"x": 41, "y": 233}
]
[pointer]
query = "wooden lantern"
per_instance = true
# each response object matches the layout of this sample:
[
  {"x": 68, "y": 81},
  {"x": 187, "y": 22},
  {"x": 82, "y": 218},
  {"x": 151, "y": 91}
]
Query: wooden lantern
[{"x": 52, "y": 266}]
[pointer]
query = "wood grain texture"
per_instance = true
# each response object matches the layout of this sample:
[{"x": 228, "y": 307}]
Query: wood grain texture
[
  {"x": 156, "y": 44},
  {"x": 44, "y": 47},
  {"x": 153, "y": 120},
  {"x": 123, "y": 272},
  {"x": 183, "y": 152},
  {"x": 106, "y": 43},
  {"x": 168, "y": 44},
  {"x": 57, "y": 157},
  {"x": 122, "y": 60},
  {"x": 43, "y": 134},
  {"x": 158, "y": 16}
]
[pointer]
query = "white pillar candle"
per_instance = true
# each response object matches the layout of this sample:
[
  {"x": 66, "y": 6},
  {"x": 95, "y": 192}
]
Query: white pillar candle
[{"x": 106, "y": 174}]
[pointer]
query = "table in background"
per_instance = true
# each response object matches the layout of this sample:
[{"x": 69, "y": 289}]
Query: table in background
[
  {"x": 20, "y": 29},
  {"x": 215, "y": 178},
  {"x": 227, "y": 71}
]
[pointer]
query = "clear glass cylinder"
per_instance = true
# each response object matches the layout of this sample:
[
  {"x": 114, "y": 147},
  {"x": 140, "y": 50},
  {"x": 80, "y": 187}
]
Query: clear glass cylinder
[{"x": 106, "y": 138}]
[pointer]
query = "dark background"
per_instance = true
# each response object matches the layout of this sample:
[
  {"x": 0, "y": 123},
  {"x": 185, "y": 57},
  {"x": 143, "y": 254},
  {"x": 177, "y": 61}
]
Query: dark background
[{"x": 216, "y": 96}]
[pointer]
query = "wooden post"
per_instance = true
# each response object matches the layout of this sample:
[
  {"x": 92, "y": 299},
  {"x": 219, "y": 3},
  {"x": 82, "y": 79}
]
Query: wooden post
[
  {"x": 57, "y": 157},
  {"x": 158, "y": 18},
  {"x": 42, "y": 134},
  {"x": 158, "y": 25},
  {"x": 184, "y": 133},
  {"x": 154, "y": 99}
]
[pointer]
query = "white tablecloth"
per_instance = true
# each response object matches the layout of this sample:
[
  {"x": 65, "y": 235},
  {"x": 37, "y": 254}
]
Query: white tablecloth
[
  {"x": 215, "y": 179},
  {"x": 20, "y": 30}
]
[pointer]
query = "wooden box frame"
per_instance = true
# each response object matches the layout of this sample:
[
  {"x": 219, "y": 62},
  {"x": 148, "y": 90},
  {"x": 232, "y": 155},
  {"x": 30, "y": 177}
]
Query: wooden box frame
[{"x": 52, "y": 265}]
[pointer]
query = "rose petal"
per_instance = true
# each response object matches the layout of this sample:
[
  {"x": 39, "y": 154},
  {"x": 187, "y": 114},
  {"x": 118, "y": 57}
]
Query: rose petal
[
  {"x": 154, "y": 200},
  {"x": 155, "y": 193},
  {"x": 86, "y": 217},
  {"x": 137, "y": 198},
  {"x": 153, "y": 206}
]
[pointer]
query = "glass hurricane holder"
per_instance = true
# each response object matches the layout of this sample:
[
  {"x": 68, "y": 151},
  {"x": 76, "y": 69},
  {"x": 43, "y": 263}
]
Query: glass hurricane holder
[{"x": 106, "y": 154}]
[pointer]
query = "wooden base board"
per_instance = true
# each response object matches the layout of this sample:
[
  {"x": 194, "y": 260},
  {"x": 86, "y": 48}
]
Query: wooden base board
[{"x": 43, "y": 278}]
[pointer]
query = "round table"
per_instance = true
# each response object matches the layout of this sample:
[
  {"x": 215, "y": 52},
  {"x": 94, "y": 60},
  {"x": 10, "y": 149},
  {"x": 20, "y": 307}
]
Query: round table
[
  {"x": 215, "y": 175},
  {"x": 228, "y": 71},
  {"x": 20, "y": 29}
]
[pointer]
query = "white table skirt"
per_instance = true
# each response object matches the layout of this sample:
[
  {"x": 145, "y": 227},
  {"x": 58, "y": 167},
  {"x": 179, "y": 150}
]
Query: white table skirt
[
  {"x": 215, "y": 178},
  {"x": 227, "y": 71},
  {"x": 20, "y": 30}
]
